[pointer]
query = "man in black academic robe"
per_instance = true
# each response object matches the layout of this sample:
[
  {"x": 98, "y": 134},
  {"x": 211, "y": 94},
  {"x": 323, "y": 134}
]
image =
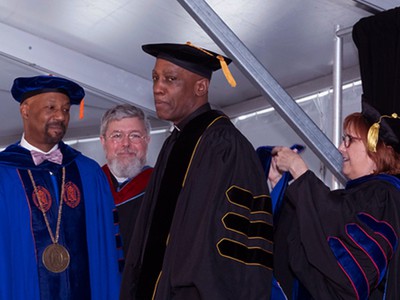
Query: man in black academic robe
[{"x": 205, "y": 227}]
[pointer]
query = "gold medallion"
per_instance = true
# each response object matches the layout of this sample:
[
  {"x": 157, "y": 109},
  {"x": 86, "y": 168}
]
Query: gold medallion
[{"x": 55, "y": 258}]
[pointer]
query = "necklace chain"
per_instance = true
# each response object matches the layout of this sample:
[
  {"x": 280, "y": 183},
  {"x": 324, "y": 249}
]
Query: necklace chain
[{"x": 55, "y": 238}]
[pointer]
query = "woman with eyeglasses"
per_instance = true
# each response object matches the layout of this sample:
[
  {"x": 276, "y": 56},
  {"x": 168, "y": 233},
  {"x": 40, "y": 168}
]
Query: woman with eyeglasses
[
  {"x": 343, "y": 244},
  {"x": 340, "y": 244}
]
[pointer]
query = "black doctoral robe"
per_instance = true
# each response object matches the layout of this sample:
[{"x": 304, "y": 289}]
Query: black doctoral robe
[
  {"x": 127, "y": 199},
  {"x": 339, "y": 244},
  {"x": 219, "y": 243}
]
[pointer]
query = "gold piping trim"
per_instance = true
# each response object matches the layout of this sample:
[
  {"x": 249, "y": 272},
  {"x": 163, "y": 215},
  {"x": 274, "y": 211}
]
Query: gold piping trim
[
  {"x": 195, "y": 149},
  {"x": 238, "y": 260},
  {"x": 155, "y": 287},
  {"x": 242, "y": 233},
  {"x": 245, "y": 207}
]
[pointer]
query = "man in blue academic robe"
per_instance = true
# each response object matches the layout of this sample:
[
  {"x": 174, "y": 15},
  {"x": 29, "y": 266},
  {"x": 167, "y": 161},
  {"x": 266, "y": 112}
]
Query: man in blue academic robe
[{"x": 57, "y": 237}]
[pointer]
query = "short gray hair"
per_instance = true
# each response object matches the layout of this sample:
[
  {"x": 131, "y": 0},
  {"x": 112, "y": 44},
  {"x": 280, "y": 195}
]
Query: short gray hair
[{"x": 123, "y": 111}]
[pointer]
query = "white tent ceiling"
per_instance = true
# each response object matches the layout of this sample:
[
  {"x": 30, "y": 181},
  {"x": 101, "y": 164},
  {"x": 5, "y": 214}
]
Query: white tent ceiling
[{"x": 98, "y": 43}]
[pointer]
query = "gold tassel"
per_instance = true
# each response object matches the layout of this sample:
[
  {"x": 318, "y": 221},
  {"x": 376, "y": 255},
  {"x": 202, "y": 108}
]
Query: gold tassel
[
  {"x": 224, "y": 65},
  {"x": 372, "y": 137},
  {"x": 373, "y": 132},
  {"x": 227, "y": 72},
  {"x": 81, "y": 108}
]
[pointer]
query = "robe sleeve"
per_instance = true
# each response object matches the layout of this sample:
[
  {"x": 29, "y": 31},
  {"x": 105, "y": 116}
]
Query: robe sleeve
[
  {"x": 345, "y": 238},
  {"x": 220, "y": 244}
]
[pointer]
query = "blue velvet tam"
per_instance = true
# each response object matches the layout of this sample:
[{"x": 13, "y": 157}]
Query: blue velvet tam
[{"x": 26, "y": 87}]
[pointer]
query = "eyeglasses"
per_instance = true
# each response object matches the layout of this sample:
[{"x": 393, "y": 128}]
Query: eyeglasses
[
  {"x": 134, "y": 137},
  {"x": 348, "y": 139}
]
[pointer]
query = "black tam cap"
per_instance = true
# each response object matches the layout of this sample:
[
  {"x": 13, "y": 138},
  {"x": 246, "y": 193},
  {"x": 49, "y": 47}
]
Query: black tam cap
[
  {"x": 192, "y": 58},
  {"x": 26, "y": 87},
  {"x": 378, "y": 41}
]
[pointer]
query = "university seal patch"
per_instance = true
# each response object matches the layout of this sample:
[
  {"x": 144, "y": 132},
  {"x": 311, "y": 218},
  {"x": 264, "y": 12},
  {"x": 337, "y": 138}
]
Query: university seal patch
[
  {"x": 72, "y": 195},
  {"x": 44, "y": 198}
]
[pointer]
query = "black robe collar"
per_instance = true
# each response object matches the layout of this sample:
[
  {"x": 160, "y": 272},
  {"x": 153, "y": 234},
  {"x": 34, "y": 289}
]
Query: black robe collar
[{"x": 201, "y": 110}]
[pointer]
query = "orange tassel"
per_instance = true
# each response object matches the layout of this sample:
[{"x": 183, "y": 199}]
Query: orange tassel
[
  {"x": 81, "y": 108},
  {"x": 224, "y": 65},
  {"x": 226, "y": 71}
]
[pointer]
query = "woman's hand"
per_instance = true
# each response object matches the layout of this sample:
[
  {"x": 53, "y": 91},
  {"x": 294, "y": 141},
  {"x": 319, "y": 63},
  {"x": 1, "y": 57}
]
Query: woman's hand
[
  {"x": 274, "y": 174},
  {"x": 285, "y": 159}
]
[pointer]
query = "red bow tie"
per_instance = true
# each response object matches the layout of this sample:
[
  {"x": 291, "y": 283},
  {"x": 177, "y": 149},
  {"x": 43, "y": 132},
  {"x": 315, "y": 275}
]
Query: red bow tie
[{"x": 54, "y": 156}]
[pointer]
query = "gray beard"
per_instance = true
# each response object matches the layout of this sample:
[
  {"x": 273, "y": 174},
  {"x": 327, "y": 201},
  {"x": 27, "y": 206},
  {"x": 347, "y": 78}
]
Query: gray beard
[{"x": 128, "y": 170}]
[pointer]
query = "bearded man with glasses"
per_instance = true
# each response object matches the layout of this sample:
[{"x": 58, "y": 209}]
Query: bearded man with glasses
[{"x": 125, "y": 135}]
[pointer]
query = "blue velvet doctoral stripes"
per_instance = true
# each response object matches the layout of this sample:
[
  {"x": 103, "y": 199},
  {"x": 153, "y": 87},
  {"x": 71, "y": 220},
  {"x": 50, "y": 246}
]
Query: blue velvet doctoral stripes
[
  {"x": 369, "y": 245},
  {"x": 346, "y": 260},
  {"x": 350, "y": 267},
  {"x": 366, "y": 242},
  {"x": 382, "y": 228}
]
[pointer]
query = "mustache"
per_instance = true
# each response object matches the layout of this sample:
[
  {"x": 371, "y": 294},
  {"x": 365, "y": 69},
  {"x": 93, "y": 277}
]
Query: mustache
[
  {"x": 127, "y": 150},
  {"x": 60, "y": 124}
]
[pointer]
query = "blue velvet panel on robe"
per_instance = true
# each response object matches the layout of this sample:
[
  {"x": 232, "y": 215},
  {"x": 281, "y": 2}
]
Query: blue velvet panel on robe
[{"x": 19, "y": 276}]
